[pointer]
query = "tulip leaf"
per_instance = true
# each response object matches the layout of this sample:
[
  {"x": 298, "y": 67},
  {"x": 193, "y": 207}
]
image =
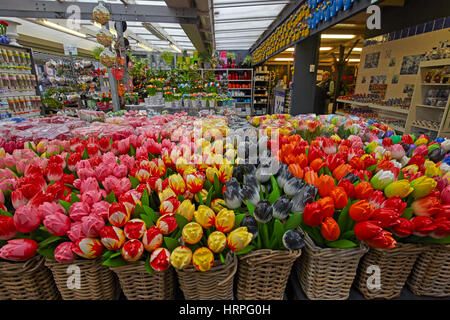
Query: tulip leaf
[
  {"x": 250, "y": 207},
  {"x": 293, "y": 221},
  {"x": 159, "y": 138},
  {"x": 258, "y": 241},
  {"x": 132, "y": 151},
  {"x": 150, "y": 213},
  {"x": 371, "y": 168},
  {"x": 48, "y": 241},
  {"x": 222, "y": 259},
  {"x": 5, "y": 213},
  {"x": 85, "y": 155},
  {"x": 209, "y": 196},
  {"x": 115, "y": 254},
  {"x": 116, "y": 261},
  {"x": 144, "y": 198},
  {"x": 216, "y": 182},
  {"x": 343, "y": 218},
  {"x": 347, "y": 235},
  {"x": 138, "y": 211},
  {"x": 207, "y": 184},
  {"x": 134, "y": 182},
  {"x": 247, "y": 249},
  {"x": 181, "y": 221},
  {"x": 180, "y": 198},
  {"x": 278, "y": 231},
  {"x": 200, "y": 200},
  {"x": 171, "y": 243},
  {"x": 74, "y": 198},
  {"x": 65, "y": 204},
  {"x": 316, "y": 234},
  {"x": 47, "y": 252},
  {"x": 408, "y": 213},
  {"x": 111, "y": 198},
  {"x": 342, "y": 244},
  {"x": 148, "y": 267},
  {"x": 238, "y": 219},
  {"x": 148, "y": 221},
  {"x": 275, "y": 194},
  {"x": 107, "y": 254}
]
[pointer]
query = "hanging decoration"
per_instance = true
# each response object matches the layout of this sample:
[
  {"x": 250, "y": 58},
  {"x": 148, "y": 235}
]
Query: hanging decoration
[{"x": 101, "y": 14}]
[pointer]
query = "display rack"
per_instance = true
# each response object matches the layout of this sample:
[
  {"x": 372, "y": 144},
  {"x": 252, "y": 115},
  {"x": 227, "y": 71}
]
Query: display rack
[
  {"x": 395, "y": 117},
  {"x": 261, "y": 97},
  {"x": 240, "y": 84},
  {"x": 19, "y": 92},
  {"x": 430, "y": 101}
]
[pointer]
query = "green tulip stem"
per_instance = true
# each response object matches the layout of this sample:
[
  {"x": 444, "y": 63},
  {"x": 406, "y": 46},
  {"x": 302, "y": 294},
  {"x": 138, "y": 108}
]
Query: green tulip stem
[
  {"x": 222, "y": 259},
  {"x": 264, "y": 234}
]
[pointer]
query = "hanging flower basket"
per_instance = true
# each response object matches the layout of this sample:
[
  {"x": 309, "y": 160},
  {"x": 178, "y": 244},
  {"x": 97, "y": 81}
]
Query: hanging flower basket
[
  {"x": 431, "y": 273},
  {"x": 215, "y": 284},
  {"x": 263, "y": 274},
  {"x": 97, "y": 282},
  {"x": 327, "y": 273},
  {"x": 137, "y": 284},
  {"x": 29, "y": 280},
  {"x": 395, "y": 266}
]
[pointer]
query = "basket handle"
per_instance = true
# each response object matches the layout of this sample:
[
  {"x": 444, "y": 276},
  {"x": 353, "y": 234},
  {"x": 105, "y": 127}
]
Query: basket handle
[{"x": 231, "y": 275}]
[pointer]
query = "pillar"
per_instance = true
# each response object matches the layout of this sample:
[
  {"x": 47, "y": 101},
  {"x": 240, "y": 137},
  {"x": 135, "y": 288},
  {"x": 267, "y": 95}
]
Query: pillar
[{"x": 305, "y": 72}]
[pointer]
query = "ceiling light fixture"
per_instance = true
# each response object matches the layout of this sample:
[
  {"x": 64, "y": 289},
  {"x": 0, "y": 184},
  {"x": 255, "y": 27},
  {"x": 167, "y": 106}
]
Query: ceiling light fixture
[
  {"x": 325, "y": 48},
  {"x": 357, "y": 49},
  {"x": 62, "y": 28},
  {"x": 290, "y": 49},
  {"x": 354, "y": 60},
  {"x": 143, "y": 46},
  {"x": 174, "y": 47},
  {"x": 337, "y": 36},
  {"x": 284, "y": 59}
]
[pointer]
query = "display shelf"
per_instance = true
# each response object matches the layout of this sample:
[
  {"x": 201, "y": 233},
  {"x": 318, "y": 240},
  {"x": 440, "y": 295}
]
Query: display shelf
[
  {"x": 435, "y": 84},
  {"x": 19, "y": 92},
  {"x": 387, "y": 108},
  {"x": 420, "y": 110},
  {"x": 424, "y": 127},
  {"x": 431, "y": 107},
  {"x": 228, "y": 73}
]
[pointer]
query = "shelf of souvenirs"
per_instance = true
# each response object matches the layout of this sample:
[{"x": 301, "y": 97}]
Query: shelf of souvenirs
[
  {"x": 15, "y": 93},
  {"x": 400, "y": 108}
]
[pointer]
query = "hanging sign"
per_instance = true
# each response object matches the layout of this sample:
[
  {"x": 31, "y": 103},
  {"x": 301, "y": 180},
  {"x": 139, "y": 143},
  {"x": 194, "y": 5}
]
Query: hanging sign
[
  {"x": 280, "y": 96},
  {"x": 70, "y": 49}
]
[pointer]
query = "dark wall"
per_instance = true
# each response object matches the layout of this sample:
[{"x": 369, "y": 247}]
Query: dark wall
[{"x": 414, "y": 12}]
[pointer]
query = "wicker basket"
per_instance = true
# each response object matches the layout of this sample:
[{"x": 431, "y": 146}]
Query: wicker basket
[
  {"x": 327, "y": 273},
  {"x": 395, "y": 266},
  {"x": 97, "y": 282},
  {"x": 215, "y": 284},
  {"x": 137, "y": 284},
  {"x": 29, "y": 280},
  {"x": 431, "y": 273},
  {"x": 263, "y": 274}
]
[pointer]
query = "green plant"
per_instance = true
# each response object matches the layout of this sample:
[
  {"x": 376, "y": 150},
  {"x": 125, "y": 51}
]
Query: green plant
[
  {"x": 166, "y": 56},
  {"x": 97, "y": 52}
]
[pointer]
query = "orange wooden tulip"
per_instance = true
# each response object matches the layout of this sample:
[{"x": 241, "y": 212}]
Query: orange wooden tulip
[
  {"x": 325, "y": 184},
  {"x": 357, "y": 163},
  {"x": 341, "y": 171},
  {"x": 311, "y": 177},
  {"x": 339, "y": 197},
  {"x": 315, "y": 143},
  {"x": 296, "y": 170},
  {"x": 317, "y": 164},
  {"x": 363, "y": 190},
  {"x": 361, "y": 210},
  {"x": 327, "y": 205},
  {"x": 302, "y": 160},
  {"x": 330, "y": 229},
  {"x": 289, "y": 158}
]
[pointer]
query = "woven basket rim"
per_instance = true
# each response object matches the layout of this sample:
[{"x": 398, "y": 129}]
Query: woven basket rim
[
  {"x": 136, "y": 265},
  {"x": 316, "y": 250},
  {"x": 269, "y": 252},
  {"x": 402, "y": 247},
  {"x": 29, "y": 265}
]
